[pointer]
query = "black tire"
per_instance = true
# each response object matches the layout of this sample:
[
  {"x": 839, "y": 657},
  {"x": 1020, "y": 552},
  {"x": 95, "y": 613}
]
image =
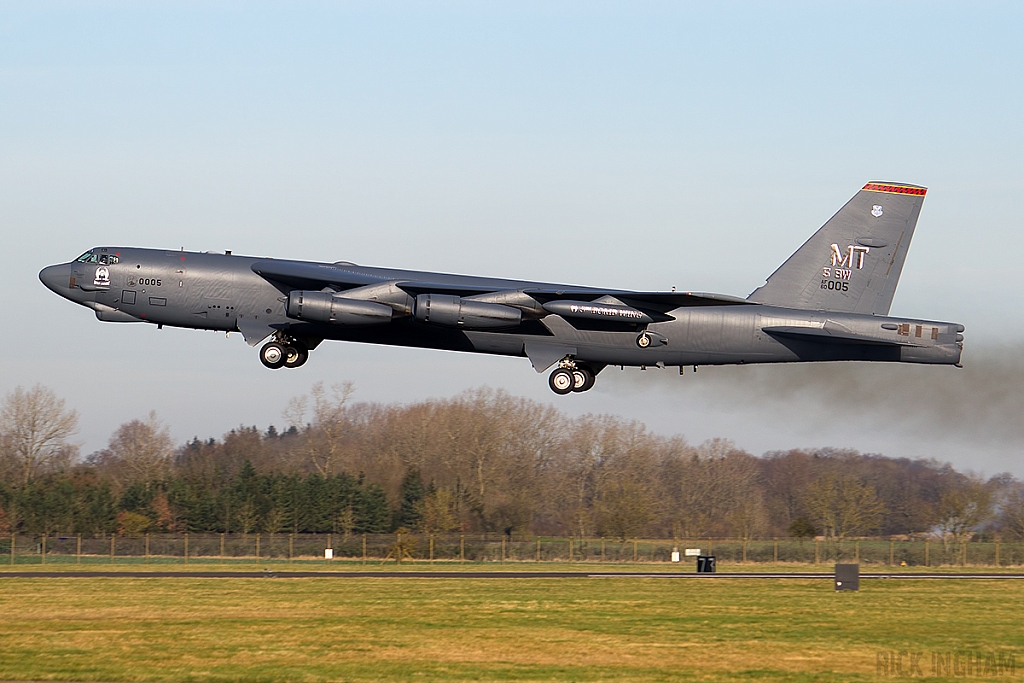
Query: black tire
[
  {"x": 561, "y": 381},
  {"x": 273, "y": 355},
  {"x": 295, "y": 355},
  {"x": 644, "y": 340},
  {"x": 584, "y": 379}
]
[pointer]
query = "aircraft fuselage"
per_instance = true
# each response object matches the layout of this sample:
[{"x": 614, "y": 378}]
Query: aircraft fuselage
[
  {"x": 828, "y": 302},
  {"x": 222, "y": 292}
]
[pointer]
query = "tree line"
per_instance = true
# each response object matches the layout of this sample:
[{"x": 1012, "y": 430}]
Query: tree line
[{"x": 481, "y": 461}]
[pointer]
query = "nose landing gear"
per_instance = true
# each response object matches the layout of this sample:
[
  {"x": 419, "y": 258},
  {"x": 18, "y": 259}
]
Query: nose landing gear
[{"x": 284, "y": 352}]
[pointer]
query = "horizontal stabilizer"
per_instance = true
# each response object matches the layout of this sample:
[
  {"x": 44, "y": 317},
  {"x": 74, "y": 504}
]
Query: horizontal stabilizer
[{"x": 833, "y": 333}]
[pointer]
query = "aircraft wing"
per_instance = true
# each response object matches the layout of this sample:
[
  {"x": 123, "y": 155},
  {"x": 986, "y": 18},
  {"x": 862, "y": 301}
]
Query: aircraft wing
[
  {"x": 318, "y": 275},
  {"x": 311, "y": 275}
]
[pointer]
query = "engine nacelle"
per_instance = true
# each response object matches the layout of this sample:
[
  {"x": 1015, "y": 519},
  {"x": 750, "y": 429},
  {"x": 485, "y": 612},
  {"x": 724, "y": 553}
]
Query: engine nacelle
[
  {"x": 454, "y": 311},
  {"x": 326, "y": 307}
]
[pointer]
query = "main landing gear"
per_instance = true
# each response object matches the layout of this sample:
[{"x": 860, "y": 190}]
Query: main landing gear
[
  {"x": 284, "y": 352},
  {"x": 571, "y": 376}
]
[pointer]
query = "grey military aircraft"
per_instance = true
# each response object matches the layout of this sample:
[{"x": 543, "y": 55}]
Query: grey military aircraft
[{"x": 828, "y": 302}]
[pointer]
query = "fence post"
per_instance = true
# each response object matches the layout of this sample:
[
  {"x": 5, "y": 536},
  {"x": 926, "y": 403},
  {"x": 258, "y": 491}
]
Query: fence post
[
  {"x": 258, "y": 546},
  {"x": 963, "y": 553},
  {"x": 431, "y": 548},
  {"x": 185, "y": 556},
  {"x": 815, "y": 551},
  {"x": 12, "y": 547},
  {"x": 570, "y": 550},
  {"x": 602, "y": 549},
  {"x": 291, "y": 547},
  {"x": 997, "y": 552},
  {"x": 43, "y": 549},
  {"x": 856, "y": 552},
  {"x": 634, "y": 550},
  {"x": 711, "y": 546},
  {"x": 222, "y": 547},
  {"x": 112, "y": 537},
  {"x": 364, "y": 548},
  {"x": 462, "y": 549},
  {"x": 538, "y": 548},
  {"x": 892, "y": 552},
  {"x": 78, "y": 550},
  {"x": 146, "y": 561},
  {"x": 926, "y": 558},
  {"x": 744, "y": 551},
  {"x": 775, "y": 551},
  {"x": 330, "y": 543}
]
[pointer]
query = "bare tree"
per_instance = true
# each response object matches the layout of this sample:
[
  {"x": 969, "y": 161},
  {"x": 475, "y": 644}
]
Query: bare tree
[
  {"x": 325, "y": 435},
  {"x": 715, "y": 490},
  {"x": 1012, "y": 512},
  {"x": 34, "y": 432},
  {"x": 843, "y": 507},
  {"x": 345, "y": 522},
  {"x": 625, "y": 509},
  {"x": 962, "y": 510},
  {"x": 437, "y": 512},
  {"x": 139, "y": 451}
]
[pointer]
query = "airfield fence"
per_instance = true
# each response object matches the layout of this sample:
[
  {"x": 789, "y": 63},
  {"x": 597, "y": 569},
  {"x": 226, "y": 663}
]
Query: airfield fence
[{"x": 489, "y": 548}]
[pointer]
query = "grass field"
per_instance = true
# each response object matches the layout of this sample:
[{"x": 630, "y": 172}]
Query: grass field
[{"x": 496, "y": 629}]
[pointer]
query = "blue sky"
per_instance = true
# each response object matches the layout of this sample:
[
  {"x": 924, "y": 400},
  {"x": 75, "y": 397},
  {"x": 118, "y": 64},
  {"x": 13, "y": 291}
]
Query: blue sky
[{"x": 671, "y": 144}]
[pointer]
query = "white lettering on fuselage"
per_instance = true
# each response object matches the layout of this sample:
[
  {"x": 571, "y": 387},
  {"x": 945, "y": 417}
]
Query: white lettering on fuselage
[{"x": 606, "y": 310}]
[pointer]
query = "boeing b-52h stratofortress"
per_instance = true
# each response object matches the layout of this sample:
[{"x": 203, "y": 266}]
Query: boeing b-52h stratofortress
[{"x": 828, "y": 302}]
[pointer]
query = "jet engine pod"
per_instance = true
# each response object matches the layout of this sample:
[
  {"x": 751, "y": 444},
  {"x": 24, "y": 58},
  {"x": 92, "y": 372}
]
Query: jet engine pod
[
  {"x": 326, "y": 307},
  {"x": 454, "y": 311}
]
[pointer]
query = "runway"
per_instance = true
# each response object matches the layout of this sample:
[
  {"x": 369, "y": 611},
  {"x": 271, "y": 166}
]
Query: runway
[{"x": 482, "y": 575}]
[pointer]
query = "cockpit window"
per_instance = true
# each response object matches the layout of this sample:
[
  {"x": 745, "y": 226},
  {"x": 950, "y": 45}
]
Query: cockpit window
[{"x": 90, "y": 257}]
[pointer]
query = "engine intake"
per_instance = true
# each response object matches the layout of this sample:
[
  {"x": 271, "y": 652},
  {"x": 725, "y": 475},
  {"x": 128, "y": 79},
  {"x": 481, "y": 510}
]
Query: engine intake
[
  {"x": 454, "y": 311},
  {"x": 325, "y": 307}
]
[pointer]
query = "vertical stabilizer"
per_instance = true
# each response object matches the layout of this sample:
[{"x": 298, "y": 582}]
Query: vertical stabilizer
[{"x": 853, "y": 263}]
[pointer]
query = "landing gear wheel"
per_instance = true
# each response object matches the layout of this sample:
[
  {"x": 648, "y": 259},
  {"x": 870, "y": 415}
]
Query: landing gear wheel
[
  {"x": 273, "y": 355},
  {"x": 295, "y": 355},
  {"x": 583, "y": 379},
  {"x": 562, "y": 381},
  {"x": 644, "y": 340}
]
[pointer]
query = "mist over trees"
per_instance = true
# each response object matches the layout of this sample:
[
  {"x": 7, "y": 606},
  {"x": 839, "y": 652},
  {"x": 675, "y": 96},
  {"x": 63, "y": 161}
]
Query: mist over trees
[{"x": 481, "y": 461}]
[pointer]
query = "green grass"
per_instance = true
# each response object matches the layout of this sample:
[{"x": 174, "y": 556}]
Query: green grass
[{"x": 139, "y": 629}]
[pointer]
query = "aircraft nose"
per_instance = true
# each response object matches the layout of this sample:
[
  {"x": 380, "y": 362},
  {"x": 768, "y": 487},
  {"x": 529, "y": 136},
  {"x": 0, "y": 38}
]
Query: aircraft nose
[{"x": 55, "y": 278}]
